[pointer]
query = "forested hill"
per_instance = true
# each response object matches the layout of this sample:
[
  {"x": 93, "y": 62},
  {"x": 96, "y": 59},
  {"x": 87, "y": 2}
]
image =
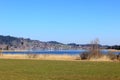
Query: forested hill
[{"x": 14, "y": 43}]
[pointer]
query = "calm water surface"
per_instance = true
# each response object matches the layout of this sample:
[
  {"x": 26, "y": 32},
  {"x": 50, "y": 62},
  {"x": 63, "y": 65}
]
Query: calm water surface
[{"x": 69, "y": 52}]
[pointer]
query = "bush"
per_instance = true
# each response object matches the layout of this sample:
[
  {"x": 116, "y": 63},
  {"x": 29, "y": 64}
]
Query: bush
[
  {"x": 1, "y": 53},
  {"x": 93, "y": 51},
  {"x": 112, "y": 56},
  {"x": 95, "y": 54},
  {"x": 84, "y": 55},
  {"x": 118, "y": 57}
]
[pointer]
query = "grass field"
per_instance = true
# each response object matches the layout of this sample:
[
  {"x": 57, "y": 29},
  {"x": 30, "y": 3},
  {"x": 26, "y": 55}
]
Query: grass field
[{"x": 58, "y": 70}]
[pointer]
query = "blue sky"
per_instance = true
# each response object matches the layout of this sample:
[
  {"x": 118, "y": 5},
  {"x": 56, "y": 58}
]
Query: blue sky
[{"x": 66, "y": 21}]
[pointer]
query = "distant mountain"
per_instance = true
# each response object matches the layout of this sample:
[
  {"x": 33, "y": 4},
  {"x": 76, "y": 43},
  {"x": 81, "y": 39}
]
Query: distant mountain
[
  {"x": 54, "y": 42},
  {"x": 14, "y": 43},
  {"x": 73, "y": 44}
]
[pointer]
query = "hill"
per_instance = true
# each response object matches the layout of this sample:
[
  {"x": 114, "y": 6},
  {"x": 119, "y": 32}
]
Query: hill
[{"x": 14, "y": 43}]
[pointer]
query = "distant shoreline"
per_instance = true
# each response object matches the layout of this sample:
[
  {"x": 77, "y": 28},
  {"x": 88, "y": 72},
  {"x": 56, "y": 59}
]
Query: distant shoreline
[{"x": 113, "y": 50}]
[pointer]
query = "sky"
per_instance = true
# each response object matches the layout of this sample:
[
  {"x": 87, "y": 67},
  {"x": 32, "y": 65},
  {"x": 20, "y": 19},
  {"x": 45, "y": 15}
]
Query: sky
[{"x": 66, "y": 21}]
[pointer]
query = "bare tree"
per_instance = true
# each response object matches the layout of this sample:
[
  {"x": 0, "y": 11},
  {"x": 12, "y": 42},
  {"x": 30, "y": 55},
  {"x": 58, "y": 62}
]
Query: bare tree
[
  {"x": 93, "y": 52},
  {"x": 95, "y": 49}
]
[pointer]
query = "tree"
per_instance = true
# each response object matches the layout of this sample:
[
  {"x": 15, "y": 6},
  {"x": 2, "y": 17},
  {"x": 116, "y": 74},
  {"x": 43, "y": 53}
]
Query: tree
[
  {"x": 95, "y": 49},
  {"x": 93, "y": 52},
  {"x": 7, "y": 47}
]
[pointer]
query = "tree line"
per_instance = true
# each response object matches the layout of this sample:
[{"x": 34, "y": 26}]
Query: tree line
[{"x": 117, "y": 47}]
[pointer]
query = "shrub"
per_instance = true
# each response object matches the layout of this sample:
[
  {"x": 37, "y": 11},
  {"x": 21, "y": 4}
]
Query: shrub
[
  {"x": 95, "y": 49},
  {"x": 93, "y": 52},
  {"x": 1, "y": 53},
  {"x": 84, "y": 55},
  {"x": 118, "y": 57},
  {"x": 112, "y": 56}
]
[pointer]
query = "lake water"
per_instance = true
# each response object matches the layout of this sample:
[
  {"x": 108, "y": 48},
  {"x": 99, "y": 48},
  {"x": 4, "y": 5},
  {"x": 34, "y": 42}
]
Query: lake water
[{"x": 69, "y": 52}]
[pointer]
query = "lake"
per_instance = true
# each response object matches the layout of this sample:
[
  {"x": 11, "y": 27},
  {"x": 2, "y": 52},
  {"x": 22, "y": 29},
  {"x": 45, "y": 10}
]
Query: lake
[{"x": 69, "y": 52}]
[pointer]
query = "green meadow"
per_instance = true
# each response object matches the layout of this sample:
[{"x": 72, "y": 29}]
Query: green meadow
[{"x": 58, "y": 70}]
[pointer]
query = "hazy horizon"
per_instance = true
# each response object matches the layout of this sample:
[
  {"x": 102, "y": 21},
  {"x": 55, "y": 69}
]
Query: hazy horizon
[{"x": 66, "y": 21}]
